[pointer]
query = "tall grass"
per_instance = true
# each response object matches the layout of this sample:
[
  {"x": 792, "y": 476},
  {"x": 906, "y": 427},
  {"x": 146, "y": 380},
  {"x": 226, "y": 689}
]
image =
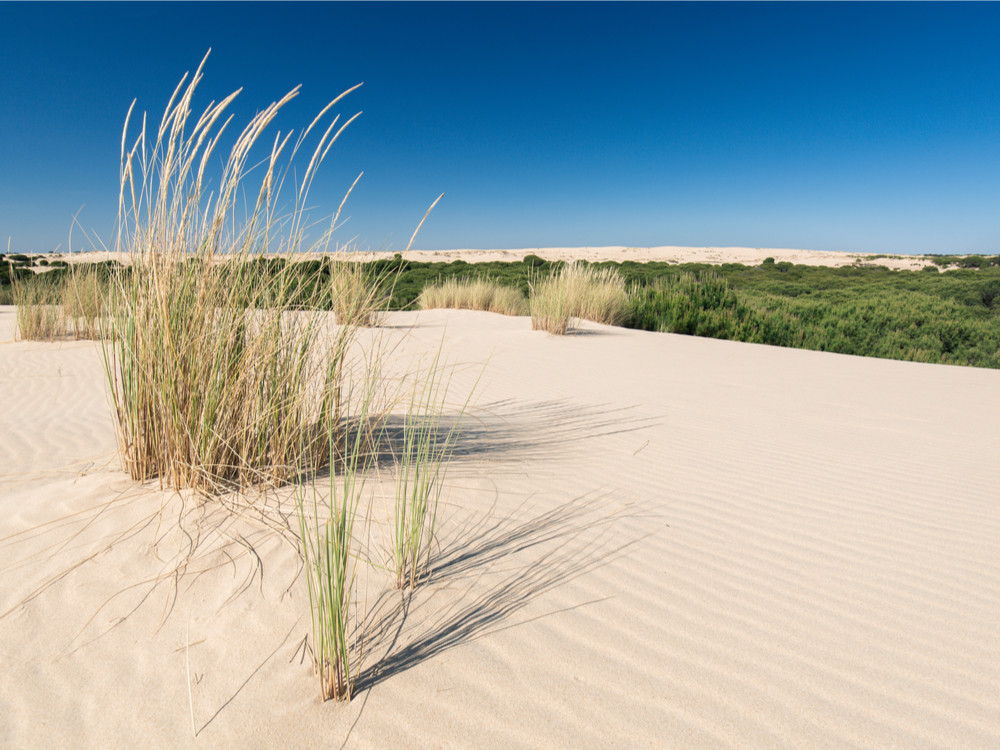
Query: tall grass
[
  {"x": 602, "y": 294},
  {"x": 357, "y": 295},
  {"x": 40, "y": 312},
  {"x": 474, "y": 294},
  {"x": 578, "y": 290},
  {"x": 84, "y": 299},
  {"x": 214, "y": 369},
  {"x": 57, "y": 305}
]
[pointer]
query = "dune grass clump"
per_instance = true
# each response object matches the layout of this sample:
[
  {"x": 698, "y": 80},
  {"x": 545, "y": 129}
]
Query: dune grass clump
[
  {"x": 357, "y": 294},
  {"x": 578, "y": 290},
  {"x": 551, "y": 304},
  {"x": 84, "y": 300},
  {"x": 603, "y": 296},
  {"x": 40, "y": 312},
  {"x": 60, "y": 305},
  {"x": 474, "y": 294},
  {"x": 225, "y": 369},
  {"x": 215, "y": 370}
]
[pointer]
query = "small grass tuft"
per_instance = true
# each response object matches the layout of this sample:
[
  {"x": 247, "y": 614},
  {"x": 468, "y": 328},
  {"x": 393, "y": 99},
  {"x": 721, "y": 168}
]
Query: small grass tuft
[
  {"x": 420, "y": 472},
  {"x": 330, "y": 554}
]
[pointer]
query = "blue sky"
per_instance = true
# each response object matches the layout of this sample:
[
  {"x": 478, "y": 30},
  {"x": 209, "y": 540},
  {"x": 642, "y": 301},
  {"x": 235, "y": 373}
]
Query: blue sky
[{"x": 869, "y": 127}]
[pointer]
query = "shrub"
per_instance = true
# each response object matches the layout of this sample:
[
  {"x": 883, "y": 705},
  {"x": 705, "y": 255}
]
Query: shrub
[{"x": 10, "y": 273}]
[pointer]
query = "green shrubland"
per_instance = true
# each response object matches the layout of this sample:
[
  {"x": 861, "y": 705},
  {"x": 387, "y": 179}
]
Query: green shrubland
[{"x": 950, "y": 318}]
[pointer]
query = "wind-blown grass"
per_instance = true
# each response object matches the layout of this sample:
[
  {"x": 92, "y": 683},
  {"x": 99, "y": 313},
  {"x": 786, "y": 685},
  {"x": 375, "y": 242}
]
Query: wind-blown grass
[
  {"x": 214, "y": 371},
  {"x": 59, "y": 305},
  {"x": 357, "y": 295}
]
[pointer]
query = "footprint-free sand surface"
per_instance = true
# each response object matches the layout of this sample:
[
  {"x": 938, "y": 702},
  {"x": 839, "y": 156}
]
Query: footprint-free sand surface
[{"x": 649, "y": 540}]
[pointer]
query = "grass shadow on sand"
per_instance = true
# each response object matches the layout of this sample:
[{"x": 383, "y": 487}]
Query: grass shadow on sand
[
  {"x": 503, "y": 564},
  {"x": 516, "y": 430}
]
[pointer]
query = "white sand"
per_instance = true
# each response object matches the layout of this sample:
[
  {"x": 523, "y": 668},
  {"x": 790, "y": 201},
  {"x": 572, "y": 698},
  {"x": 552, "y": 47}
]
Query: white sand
[
  {"x": 651, "y": 541},
  {"x": 750, "y": 256}
]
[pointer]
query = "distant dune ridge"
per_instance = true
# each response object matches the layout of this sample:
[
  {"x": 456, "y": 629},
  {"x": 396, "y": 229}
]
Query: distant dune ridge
[
  {"x": 751, "y": 256},
  {"x": 648, "y": 540}
]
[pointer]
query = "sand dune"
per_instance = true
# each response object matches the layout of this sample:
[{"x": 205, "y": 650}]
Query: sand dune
[
  {"x": 651, "y": 540},
  {"x": 751, "y": 256}
]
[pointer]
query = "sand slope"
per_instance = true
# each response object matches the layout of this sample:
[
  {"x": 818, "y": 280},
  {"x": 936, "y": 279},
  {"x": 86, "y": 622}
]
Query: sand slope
[{"x": 651, "y": 541}]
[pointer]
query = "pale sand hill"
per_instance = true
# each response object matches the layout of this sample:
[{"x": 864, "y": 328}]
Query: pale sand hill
[
  {"x": 751, "y": 256},
  {"x": 651, "y": 541}
]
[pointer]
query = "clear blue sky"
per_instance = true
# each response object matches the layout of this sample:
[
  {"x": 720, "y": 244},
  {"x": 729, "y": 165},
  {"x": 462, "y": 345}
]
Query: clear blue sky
[{"x": 847, "y": 126}]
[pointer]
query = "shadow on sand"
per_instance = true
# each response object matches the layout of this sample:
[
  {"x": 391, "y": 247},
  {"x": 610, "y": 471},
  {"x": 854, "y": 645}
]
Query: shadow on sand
[
  {"x": 513, "y": 430},
  {"x": 504, "y": 564}
]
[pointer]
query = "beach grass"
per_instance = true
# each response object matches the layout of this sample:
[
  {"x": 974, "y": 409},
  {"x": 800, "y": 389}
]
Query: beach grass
[
  {"x": 225, "y": 369},
  {"x": 578, "y": 290},
  {"x": 84, "y": 300},
  {"x": 474, "y": 294},
  {"x": 40, "y": 312},
  {"x": 358, "y": 295},
  {"x": 420, "y": 470},
  {"x": 55, "y": 306},
  {"x": 215, "y": 370},
  {"x": 330, "y": 553}
]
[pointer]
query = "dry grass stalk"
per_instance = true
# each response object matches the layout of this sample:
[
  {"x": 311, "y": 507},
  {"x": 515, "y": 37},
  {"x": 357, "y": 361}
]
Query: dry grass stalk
[{"x": 53, "y": 306}]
